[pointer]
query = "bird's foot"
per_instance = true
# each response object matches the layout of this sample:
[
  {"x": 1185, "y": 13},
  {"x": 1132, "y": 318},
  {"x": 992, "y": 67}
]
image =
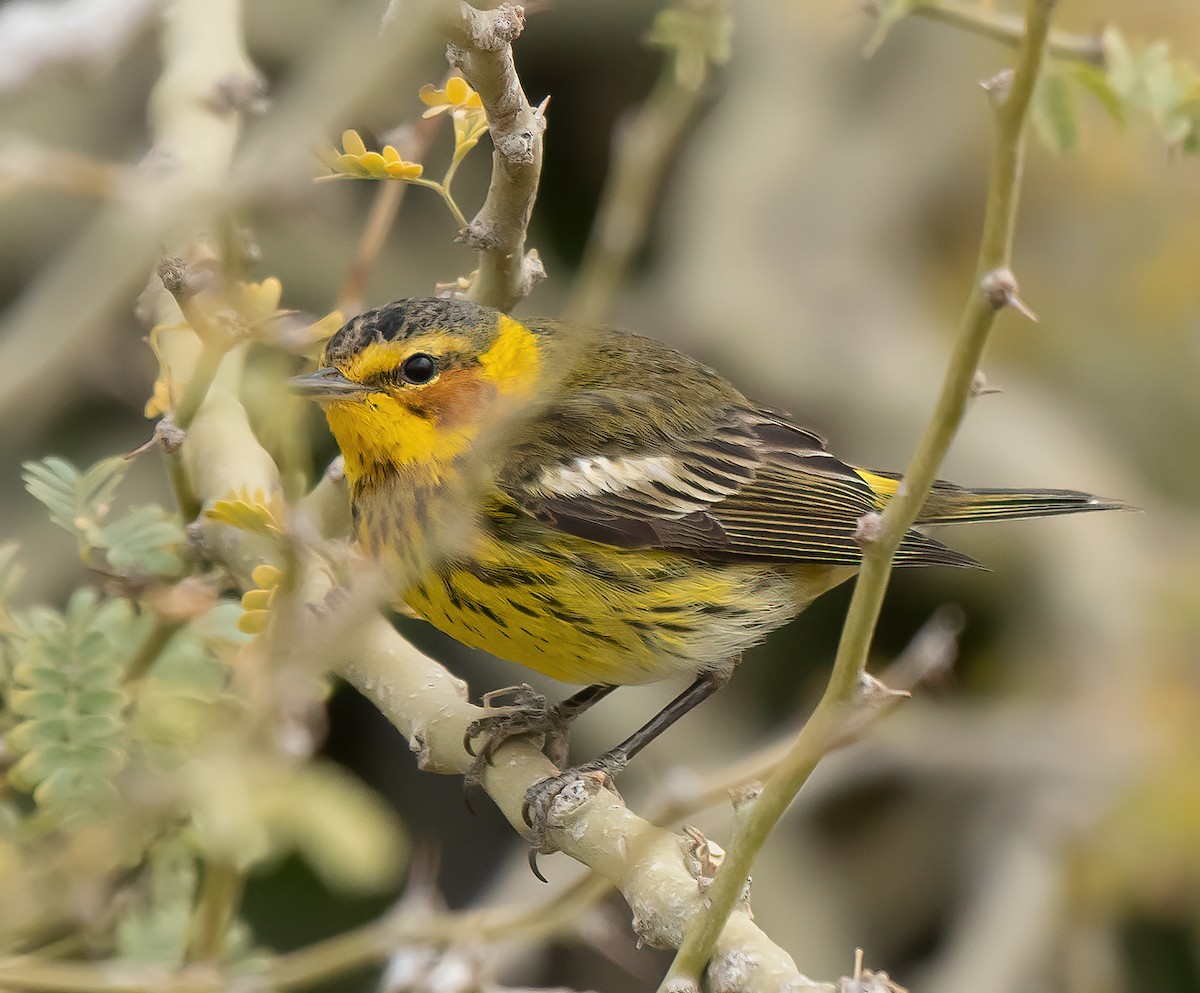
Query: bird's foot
[
  {"x": 517, "y": 712},
  {"x": 549, "y": 801},
  {"x": 514, "y": 712}
]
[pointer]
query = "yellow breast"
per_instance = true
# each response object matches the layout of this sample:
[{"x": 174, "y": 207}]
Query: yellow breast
[{"x": 576, "y": 610}]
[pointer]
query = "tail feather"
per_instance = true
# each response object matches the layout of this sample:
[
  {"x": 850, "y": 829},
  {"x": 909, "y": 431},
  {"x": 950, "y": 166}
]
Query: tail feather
[{"x": 951, "y": 504}]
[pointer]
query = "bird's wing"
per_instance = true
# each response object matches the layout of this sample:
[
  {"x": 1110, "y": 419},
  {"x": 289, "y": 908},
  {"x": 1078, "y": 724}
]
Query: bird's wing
[{"x": 743, "y": 484}]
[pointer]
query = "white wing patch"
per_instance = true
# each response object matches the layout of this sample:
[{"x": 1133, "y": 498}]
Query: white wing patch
[{"x": 661, "y": 481}]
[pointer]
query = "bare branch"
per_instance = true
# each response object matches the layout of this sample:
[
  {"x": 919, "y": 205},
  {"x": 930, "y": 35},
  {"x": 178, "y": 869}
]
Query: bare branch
[{"x": 481, "y": 46}]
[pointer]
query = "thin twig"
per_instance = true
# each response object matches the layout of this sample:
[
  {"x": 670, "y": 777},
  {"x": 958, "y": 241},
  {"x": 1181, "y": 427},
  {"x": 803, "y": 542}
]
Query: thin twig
[
  {"x": 982, "y": 19},
  {"x": 220, "y": 893},
  {"x": 412, "y": 141},
  {"x": 1010, "y": 29},
  {"x": 852, "y": 696},
  {"x": 151, "y": 648}
]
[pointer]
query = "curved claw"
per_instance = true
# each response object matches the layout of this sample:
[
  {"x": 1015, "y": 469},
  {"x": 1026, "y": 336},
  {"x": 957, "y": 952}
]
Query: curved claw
[
  {"x": 533, "y": 866},
  {"x": 469, "y": 742}
]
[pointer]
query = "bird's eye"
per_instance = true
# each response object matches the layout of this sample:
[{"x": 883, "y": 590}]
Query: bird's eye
[{"x": 418, "y": 369}]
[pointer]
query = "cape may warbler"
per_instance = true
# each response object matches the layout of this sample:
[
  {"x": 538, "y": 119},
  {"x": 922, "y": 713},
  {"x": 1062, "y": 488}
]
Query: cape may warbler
[{"x": 595, "y": 505}]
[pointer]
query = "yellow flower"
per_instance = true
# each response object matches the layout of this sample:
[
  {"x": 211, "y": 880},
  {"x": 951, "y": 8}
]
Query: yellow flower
[
  {"x": 397, "y": 168},
  {"x": 457, "y": 97},
  {"x": 257, "y": 512},
  {"x": 257, "y": 302},
  {"x": 355, "y": 162},
  {"x": 256, "y": 603}
]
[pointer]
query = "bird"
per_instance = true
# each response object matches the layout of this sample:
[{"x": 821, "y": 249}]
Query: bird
[{"x": 598, "y": 506}]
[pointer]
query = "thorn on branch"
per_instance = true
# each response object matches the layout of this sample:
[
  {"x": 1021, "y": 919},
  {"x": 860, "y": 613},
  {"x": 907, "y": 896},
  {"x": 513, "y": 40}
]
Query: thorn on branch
[
  {"x": 997, "y": 86},
  {"x": 931, "y": 654},
  {"x": 874, "y": 694},
  {"x": 183, "y": 279},
  {"x": 743, "y": 796},
  {"x": 1000, "y": 287},
  {"x": 533, "y": 271},
  {"x": 702, "y": 857},
  {"x": 171, "y": 272},
  {"x": 418, "y": 746},
  {"x": 979, "y": 385},
  {"x": 169, "y": 434},
  {"x": 866, "y": 981},
  {"x": 481, "y": 235}
]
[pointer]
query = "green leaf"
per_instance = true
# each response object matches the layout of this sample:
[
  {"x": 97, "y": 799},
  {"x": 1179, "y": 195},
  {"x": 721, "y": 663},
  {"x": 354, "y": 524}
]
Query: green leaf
[
  {"x": 75, "y": 792},
  {"x": 70, "y": 733},
  {"x": 100, "y": 702},
  {"x": 29, "y": 735},
  {"x": 1096, "y": 82},
  {"x": 37, "y": 703},
  {"x": 82, "y": 607},
  {"x": 93, "y": 727},
  {"x": 98, "y": 759},
  {"x": 696, "y": 38},
  {"x": 219, "y": 625},
  {"x": 38, "y": 677},
  {"x": 1150, "y": 80},
  {"x": 1053, "y": 113},
  {"x": 155, "y": 928},
  {"x": 36, "y": 765},
  {"x": 53, "y": 482},
  {"x": 145, "y": 541},
  {"x": 1123, "y": 72},
  {"x": 76, "y": 501},
  {"x": 100, "y": 482}
]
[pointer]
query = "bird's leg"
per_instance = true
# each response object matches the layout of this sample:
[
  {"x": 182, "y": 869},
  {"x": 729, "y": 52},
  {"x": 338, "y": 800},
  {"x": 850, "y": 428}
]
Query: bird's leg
[
  {"x": 541, "y": 794},
  {"x": 525, "y": 713}
]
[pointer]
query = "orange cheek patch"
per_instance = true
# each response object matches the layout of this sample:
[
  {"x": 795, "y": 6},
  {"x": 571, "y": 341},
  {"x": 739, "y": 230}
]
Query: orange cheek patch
[{"x": 457, "y": 398}]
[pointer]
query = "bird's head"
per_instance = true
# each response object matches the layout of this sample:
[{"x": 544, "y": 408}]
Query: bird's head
[{"x": 418, "y": 380}]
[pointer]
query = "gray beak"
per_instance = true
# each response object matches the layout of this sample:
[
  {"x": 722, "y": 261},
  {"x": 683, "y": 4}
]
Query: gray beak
[{"x": 326, "y": 384}]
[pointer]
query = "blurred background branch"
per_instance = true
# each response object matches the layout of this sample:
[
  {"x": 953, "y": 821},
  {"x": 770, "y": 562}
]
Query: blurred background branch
[
  {"x": 646, "y": 142},
  {"x": 982, "y": 19},
  {"x": 853, "y": 697}
]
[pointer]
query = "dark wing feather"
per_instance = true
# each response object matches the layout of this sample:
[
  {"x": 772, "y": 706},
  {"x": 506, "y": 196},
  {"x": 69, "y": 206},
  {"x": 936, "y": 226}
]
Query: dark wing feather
[{"x": 742, "y": 485}]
